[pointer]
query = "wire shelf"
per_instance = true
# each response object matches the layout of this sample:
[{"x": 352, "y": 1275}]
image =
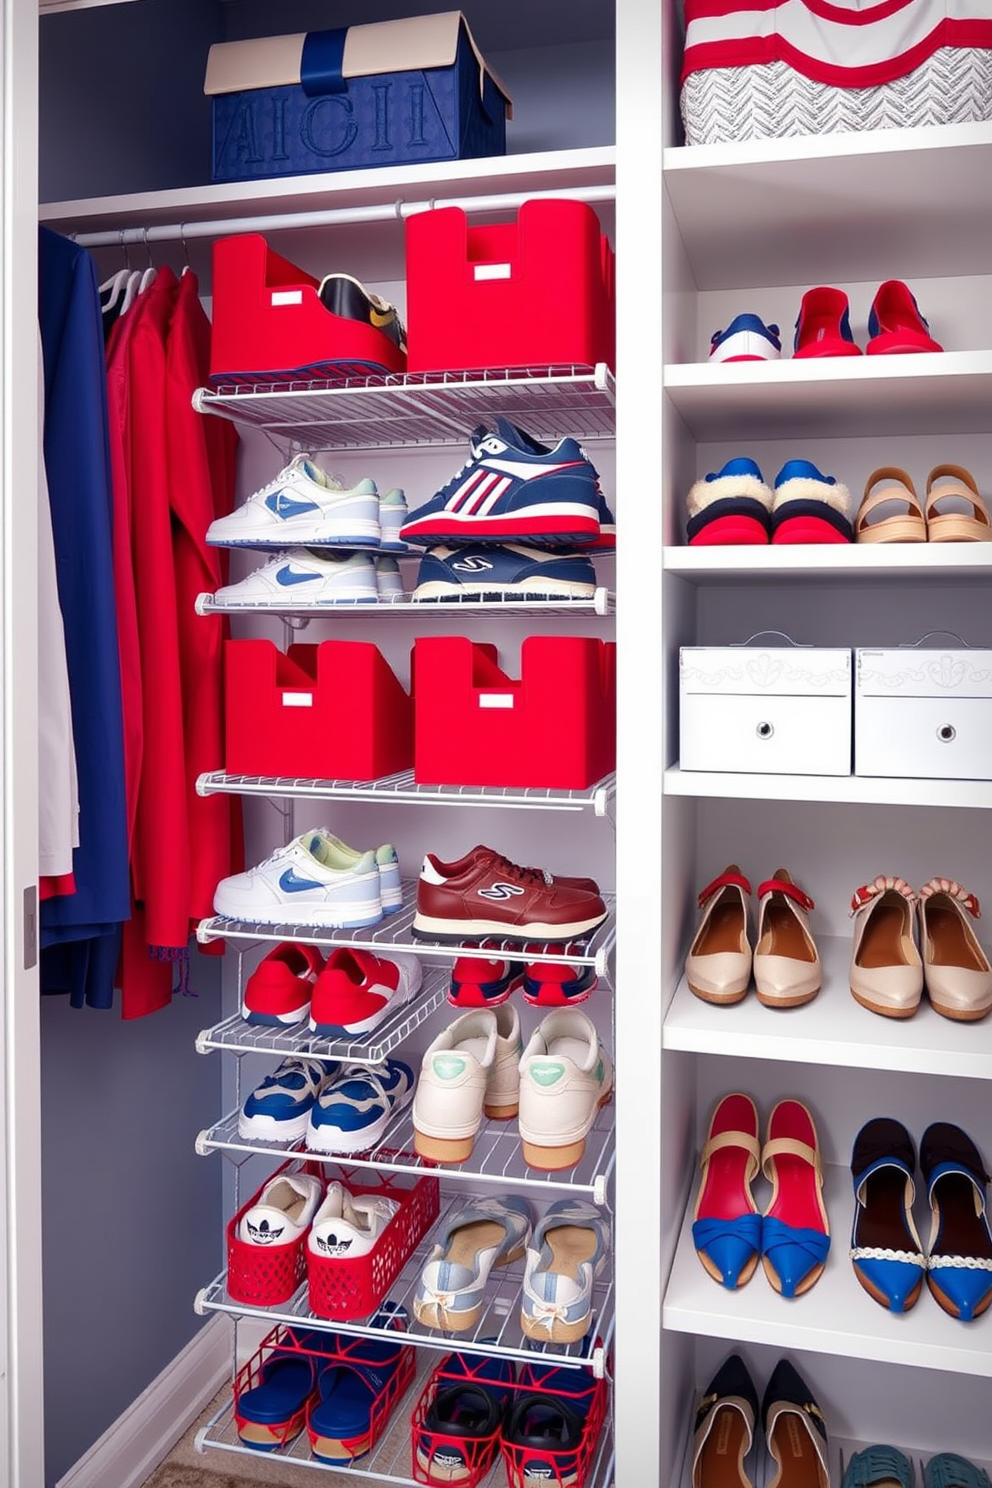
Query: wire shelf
[
  {"x": 497, "y": 1156},
  {"x": 395, "y": 931},
  {"x": 237, "y": 1036},
  {"x": 389, "y": 1460},
  {"x": 497, "y": 1332},
  {"x": 404, "y": 410},
  {"x": 603, "y": 602},
  {"x": 402, "y": 788}
]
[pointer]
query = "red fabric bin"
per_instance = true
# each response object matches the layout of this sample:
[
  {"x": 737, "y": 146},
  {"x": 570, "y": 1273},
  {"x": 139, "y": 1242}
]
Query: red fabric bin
[
  {"x": 331, "y": 711},
  {"x": 269, "y": 324},
  {"x": 554, "y": 729},
  {"x": 534, "y": 292}
]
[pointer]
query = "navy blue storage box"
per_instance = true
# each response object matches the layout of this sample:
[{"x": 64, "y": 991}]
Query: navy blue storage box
[{"x": 391, "y": 93}]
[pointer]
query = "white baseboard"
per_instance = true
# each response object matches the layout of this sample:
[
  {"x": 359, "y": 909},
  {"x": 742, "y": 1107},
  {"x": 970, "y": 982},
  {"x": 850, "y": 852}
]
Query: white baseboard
[{"x": 132, "y": 1447}]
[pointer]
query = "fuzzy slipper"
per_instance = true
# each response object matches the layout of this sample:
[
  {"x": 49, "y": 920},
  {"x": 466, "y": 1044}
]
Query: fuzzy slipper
[
  {"x": 731, "y": 508},
  {"x": 808, "y": 507}
]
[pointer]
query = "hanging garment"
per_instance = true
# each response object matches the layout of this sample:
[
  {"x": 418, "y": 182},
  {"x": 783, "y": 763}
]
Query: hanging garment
[{"x": 77, "y": 465}]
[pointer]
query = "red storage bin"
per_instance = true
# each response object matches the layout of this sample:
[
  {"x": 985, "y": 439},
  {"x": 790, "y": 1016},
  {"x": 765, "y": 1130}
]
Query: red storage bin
[
  {"x": 331, "y": 711},
  {"x": 270, "y": 326},
  {"x": 555, "y": 729},
  {"x": 535, "y": 292},
  {"x": 263, "y": 1275},
  {"x": 344, "y": 1290}
]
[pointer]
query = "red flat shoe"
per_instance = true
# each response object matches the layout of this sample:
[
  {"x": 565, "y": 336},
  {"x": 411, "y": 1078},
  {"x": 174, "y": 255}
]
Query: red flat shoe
[
  {"x": 795, "y": 1233},
  {"x": 824, "y": 325},
  {"x": 726, "y": 1228},
  {"x": 895, "y": 324}
]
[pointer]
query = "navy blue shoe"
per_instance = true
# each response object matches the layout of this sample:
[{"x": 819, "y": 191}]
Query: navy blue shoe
[
  {"x": 746, "y": 339},
  {"x": 513, "y": 489},
  {"x": 461, "y": 1426},
  {"x": 886, "y": 1250},
  {"x": 723, "y": 1431},
  {"x": 960, "y": 1266},
  {"x": 480, "y": 572},
  {"x": 355, "y": 1394},
  {"x": 809, "y": 507},
  {"x": 731, "y": 508},
  {"x": 273, "y": 1412},
  {"x": 545, "y": 1425},
  {"x": 795, "y": 1430},
  {"x": 477, "y": 983},
  {"x": 876, "y": 1466}
]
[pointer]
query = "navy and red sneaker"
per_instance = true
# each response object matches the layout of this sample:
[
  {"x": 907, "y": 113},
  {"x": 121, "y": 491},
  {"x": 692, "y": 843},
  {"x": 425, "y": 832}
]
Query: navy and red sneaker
[
  {"x": 513, "y": 489},
  {"x": 730, "y": 508},
  {"x": 554, "y": 984},
  {"x": 478, "y": 983},
  {"x": 458, "y": 1434},
  {"x": 278, "y": 991}
]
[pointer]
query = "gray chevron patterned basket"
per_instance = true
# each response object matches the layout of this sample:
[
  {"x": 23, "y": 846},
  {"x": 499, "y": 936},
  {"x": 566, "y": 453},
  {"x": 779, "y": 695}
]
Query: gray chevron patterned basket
[{"x": 771, "y": 99}]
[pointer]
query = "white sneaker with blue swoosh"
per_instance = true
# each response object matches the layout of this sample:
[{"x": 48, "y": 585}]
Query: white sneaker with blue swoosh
[
  {"x": 301, "y": 577},
  {"x": 302, "y": 506},
  {"x": 312, "y": 881}
]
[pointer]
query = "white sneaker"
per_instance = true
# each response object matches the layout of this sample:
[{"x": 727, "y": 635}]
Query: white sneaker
[
  {"x": 565, "y": 1077},
  {"x": 307, "y": 883},
  {"x": 391, "y": 883},
  {"x": 302, "y": 506},
  {"x": 299, "y": 577},
  {"x": 389, "y": 581},
  {"x": 348, "y": 1225},
  {"x": 503, "y": 1082},
  {"x": 392, "y": 514},
  {"x": 452, "y": 1090},
  {"x": 283, "y": 1212}
]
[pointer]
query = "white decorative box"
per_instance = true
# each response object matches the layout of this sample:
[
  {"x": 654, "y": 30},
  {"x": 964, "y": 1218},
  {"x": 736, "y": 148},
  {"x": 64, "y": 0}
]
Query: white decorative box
[
  {"x": 782, "y": 710},
  {"x": 923, "y": 714}
]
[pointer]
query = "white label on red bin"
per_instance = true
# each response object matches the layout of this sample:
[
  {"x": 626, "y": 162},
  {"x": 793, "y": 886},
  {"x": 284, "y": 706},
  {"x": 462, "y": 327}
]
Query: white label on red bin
[
  {"x": 496, "y": 700},
  {"x": 297, "y": 699},
  {"x": 493, "y": 271},
  {"x": 287, "y": 297}
]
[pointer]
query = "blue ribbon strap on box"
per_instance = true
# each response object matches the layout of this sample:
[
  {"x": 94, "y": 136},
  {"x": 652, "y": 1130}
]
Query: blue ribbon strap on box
[{"x": 322, "y": 63}]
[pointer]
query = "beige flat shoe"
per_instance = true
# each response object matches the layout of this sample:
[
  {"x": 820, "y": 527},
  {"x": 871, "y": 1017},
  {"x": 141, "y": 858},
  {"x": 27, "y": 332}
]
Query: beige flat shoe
[
  {"x": 954, "y": 510},
  {"x": 955, "y": 968},
  {"x": 787, "y": 969},
  {"x": 890, "y": 509},
  {"x": 718, "y": 966},
  {"x": 886, "y": 970}
]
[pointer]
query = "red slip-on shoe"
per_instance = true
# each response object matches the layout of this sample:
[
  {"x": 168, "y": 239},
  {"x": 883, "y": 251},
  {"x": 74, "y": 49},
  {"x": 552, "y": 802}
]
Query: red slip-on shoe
[
  {"x": 824, "y": 325},
  {"x": 726, "y": 1228},
  {"x": 895, "y": 325},
  {"x": 795, "y": 1233},
  {"x": 278, "y": 991}
]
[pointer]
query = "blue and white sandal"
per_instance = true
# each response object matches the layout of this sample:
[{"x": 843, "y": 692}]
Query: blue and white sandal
[
  {"x": 886, "y": 1250},
  {"x": 481, "y": 1235},
  {"x": 564, "y": 1258},
  {"x": 959, "y": 1270}
]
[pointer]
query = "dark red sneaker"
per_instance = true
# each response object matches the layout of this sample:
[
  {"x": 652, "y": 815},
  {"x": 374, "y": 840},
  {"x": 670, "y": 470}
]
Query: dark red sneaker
[{"x": 484, "y": 894}]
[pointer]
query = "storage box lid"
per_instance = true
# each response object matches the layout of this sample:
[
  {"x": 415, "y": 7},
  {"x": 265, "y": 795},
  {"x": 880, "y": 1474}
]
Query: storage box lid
[
  {"x": 784, "y": 671},
  {"x": 414, "y": 44},
  {"x": 907, "y": 672}
]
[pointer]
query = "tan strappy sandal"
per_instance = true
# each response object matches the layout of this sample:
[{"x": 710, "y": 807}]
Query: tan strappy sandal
[
  {"x": 893, "y": 488},
  {"x": 948, "y": 486}
]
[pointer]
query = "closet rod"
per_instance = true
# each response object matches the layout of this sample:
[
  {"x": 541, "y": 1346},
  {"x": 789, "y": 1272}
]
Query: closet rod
[{"x": 336, "y": 217}]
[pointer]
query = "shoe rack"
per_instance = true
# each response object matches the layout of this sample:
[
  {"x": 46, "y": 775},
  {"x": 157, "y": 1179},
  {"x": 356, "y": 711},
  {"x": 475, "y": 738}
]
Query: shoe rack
[{"x": 750, "y": 227}]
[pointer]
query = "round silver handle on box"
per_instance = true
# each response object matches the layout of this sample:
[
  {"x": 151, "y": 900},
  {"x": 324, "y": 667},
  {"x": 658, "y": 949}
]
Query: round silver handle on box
[
  {"x": 946, "y": 733},
  {"x": 765, "y": 730}
]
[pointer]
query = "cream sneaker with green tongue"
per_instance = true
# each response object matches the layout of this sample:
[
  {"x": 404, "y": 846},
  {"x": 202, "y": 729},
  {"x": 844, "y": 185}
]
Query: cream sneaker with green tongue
[
  {"x": 452, "y": 1089},
  {"x": 565, "y": 1076}
]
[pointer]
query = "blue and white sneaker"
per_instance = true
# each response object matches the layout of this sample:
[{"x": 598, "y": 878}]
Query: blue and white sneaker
[
  {"x": 301, "y": 577},
  {"x": 513, "y": 489},
  {"x": 314, "y": 881},
  {"x": 354, "y": 1110},
  {"x": 480, "y": 572},
  {"x": 388, "y": 580},
  {"x": 393, "y": 513},
  {"x": 746, "y": 339},
  {"x": 564, "y": 1258},
  {"x": 279, "y": 1108},
  {"x": 302, "y": 507}
]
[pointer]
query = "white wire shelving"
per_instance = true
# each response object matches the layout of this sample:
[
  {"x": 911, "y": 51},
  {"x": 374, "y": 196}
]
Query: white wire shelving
[
  {"x": 395, "y": 931},
  {"x": 404, "y": 410},
  {"x": 389, "y": 1461},
  {"x": 497, "y": 1333},
  {"x": 402, "y": 788},
  {"x": 235, "y": 1035},
  {"x": 602, "y": 603},
  {"x": 497, "y": 1156}
]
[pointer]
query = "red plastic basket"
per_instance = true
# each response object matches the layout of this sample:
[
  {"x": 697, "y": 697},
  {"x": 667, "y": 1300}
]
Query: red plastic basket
[
  {"x": 343, "y": 1290},
  {"x": 478, "y": 1456},
  {"x": 263, "y": 1275}
]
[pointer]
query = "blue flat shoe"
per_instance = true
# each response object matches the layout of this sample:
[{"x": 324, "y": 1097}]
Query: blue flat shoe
[
  {"x": 886, "y": 1251},
  {"x": 879, "y": 1467},
  {"x": 795, "y": 1233},
  {"x": 726, "y": 1229},
  {"x": 948, "y": 1470},
  {"x": 959, "y": 1270}
]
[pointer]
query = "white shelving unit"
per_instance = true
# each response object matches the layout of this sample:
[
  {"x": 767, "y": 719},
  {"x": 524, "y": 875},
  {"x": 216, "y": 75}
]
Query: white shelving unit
[
  {"x": 603, "y": 602},
  {"x": 838, "y": 210},
  {"x": 402, "y": 789}
]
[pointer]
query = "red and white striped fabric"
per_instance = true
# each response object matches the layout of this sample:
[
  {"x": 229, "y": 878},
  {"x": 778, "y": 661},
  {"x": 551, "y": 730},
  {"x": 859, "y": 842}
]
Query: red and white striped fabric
[{"x": 847, "y": 44}]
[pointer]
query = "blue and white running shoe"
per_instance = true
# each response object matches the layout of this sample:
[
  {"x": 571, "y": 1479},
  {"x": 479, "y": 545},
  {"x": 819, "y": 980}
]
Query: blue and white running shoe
[
  {"x": 746, "y": 339},
  {"x": 315, "y": 880},
  {"x": 279, "y": 1108},
  {"x": 353, "y": 1111},
  {"x": 513, "y": 489},
  {"x": 481, "y": 572},
  {"x": 302, "y": 507}
]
